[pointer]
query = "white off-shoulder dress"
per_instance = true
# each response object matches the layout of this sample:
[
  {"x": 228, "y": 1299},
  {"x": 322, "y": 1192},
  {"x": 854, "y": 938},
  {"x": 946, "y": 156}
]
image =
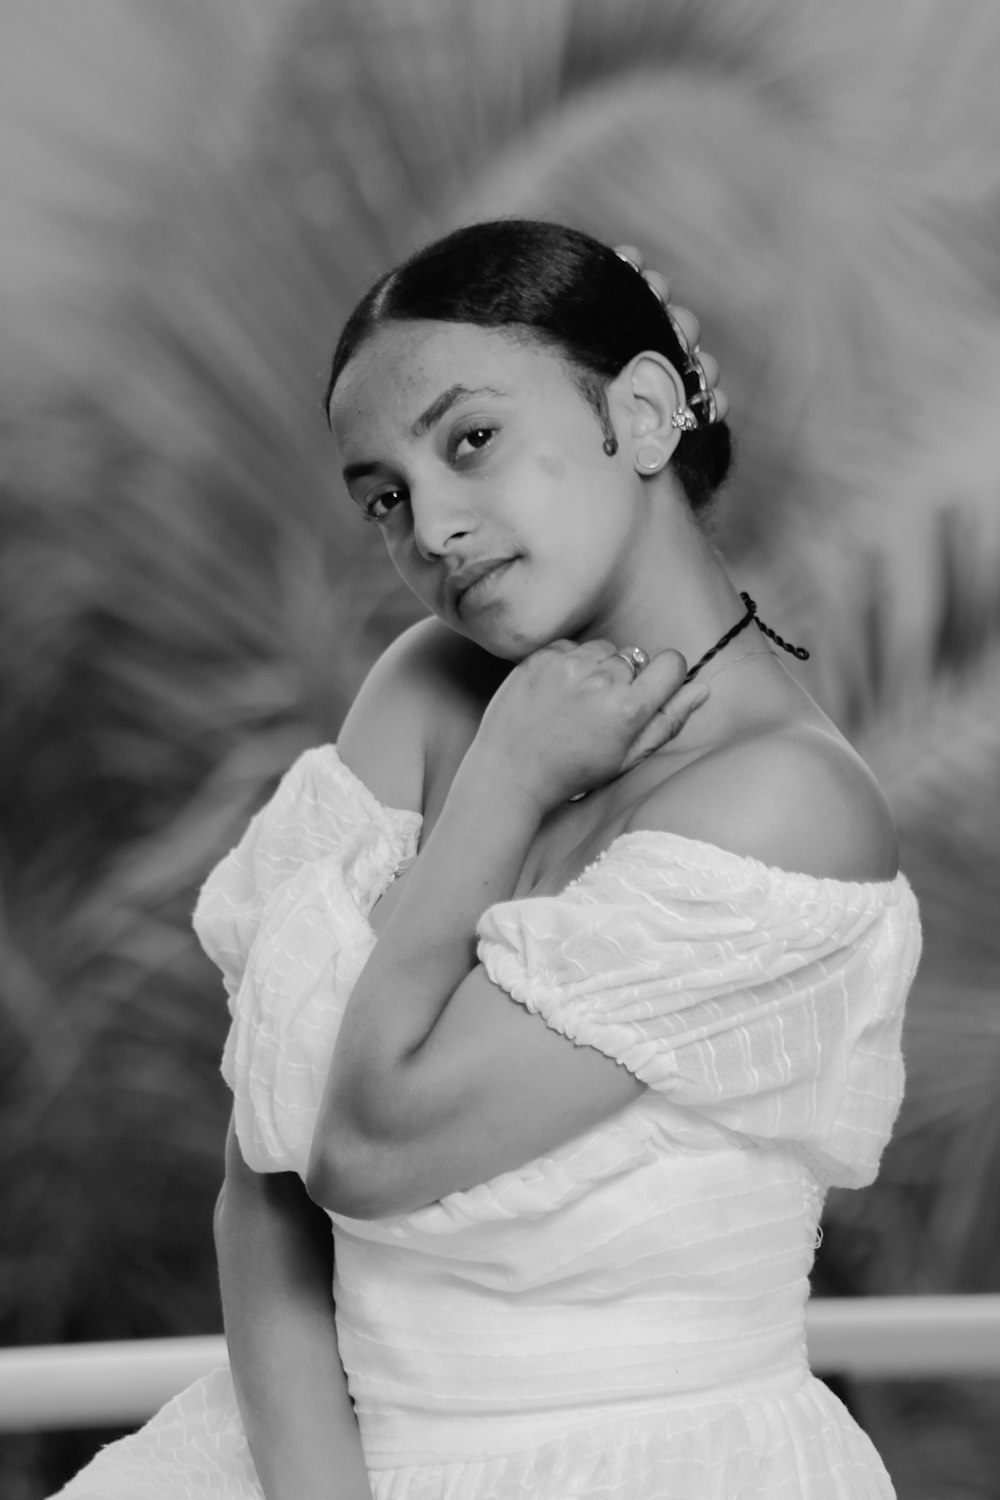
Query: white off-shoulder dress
[{"x": 624, "y": 1318}]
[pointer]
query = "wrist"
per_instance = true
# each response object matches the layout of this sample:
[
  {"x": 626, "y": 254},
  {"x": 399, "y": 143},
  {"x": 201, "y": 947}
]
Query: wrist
[{"x": 492, "y": 779}]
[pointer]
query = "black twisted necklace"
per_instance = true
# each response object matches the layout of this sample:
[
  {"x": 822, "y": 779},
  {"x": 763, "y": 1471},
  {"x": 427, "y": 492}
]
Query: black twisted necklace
[{"x": 799, "y": 652}]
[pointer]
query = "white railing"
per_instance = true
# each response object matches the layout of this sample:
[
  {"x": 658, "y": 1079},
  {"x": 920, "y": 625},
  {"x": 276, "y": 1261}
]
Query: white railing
[{"x": 120, "y": 1384}]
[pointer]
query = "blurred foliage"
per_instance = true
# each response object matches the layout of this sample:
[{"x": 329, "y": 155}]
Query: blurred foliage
[{"x": 198, "y": 194}]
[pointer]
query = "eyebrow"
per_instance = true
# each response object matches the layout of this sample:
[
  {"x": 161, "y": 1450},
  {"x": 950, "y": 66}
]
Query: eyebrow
[
  {"x": 426, "y": 420},
  {"x": 444, "y": 403}
]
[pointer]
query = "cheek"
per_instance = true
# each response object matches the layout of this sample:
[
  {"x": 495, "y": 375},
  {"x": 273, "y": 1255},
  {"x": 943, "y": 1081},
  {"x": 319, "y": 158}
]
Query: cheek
[
  {"x": 552, "y": 465},
  {"x": 401, "y": 557}
]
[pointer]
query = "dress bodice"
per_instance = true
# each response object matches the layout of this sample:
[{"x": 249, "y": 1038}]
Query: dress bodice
[{"x": 657, "y": 1263}]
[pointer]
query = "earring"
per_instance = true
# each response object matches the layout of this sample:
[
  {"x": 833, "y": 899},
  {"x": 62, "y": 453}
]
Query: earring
[
  {"x": 684, "y": 418},
  {"x": 649, "y": 459}
]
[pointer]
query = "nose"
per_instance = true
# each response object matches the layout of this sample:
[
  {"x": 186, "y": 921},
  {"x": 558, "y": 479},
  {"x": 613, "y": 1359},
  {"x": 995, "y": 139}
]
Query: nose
[{"x": 442, "y": 518}]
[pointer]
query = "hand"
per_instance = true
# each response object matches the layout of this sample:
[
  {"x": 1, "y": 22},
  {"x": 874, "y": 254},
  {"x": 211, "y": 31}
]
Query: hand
[{"x": 570, "y": 717}]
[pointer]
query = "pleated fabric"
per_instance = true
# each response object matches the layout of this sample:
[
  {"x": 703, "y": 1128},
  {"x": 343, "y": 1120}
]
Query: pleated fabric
[{"x": 624, "y": 1318}]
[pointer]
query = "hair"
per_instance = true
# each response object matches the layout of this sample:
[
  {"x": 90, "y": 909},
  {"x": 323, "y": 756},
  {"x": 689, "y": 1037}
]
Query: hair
[{"x": 564, "y": 290}]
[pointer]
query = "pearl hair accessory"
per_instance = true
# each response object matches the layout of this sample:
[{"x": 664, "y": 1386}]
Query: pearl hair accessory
[{"x": 703, "y": 405}]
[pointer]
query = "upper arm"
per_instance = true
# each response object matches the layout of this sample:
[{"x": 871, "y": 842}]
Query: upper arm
[
  {"x": 382, "y": 738},
  {"x": 800, "y": 800},
  {"x": 249, "y": 1199},
  {"x": 238, "y": 1180},
  {"x": 416, "y": 713}
]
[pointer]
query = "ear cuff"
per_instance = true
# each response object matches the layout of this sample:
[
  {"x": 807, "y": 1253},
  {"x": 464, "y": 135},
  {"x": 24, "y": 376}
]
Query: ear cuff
[{"x": 702, "y": 408}]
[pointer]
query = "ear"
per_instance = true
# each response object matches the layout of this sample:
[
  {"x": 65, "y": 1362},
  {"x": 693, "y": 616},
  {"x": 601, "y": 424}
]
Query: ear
[{"x": 647, "y": 393}]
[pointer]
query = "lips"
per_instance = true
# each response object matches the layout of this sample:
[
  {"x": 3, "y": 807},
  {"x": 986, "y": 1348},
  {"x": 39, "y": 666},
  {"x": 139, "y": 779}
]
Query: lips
[{"x": 460, "y": 583}]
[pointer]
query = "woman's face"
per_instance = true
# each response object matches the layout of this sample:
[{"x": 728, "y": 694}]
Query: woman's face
[{"x": 482, "y": 463}]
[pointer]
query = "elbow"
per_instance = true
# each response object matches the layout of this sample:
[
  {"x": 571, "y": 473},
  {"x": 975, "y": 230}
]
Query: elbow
[
  {"x": 324, "y": 1183},
  {"x": 357, "y": 1179},
  {"x": 367, "y": 1150}
]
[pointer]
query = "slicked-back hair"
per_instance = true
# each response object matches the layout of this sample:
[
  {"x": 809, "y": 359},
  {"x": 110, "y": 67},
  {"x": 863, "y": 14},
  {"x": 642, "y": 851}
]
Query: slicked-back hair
[{"x": 557, "y": 286}]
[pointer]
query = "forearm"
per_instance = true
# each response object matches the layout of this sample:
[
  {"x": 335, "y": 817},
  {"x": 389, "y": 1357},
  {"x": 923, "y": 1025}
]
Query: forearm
[
  {"x": 275, "y": 1267},
  {"x": 428, "y": 945},
  {"x": 426, "y": 949}
]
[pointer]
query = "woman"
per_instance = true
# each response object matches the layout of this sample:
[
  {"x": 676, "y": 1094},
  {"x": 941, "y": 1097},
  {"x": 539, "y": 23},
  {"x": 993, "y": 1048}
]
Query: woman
[{"x": 559, "y": 1270}]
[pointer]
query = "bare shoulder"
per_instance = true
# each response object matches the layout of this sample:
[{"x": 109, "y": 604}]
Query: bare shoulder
[
  {"x": 419, "y": 690},
  {"x": 797, "y": 797}
]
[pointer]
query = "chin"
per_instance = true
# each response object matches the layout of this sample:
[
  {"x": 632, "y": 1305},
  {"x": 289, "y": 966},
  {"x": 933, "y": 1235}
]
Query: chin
[
  {"x": 500, "y": 633},
  {"x": 515, "y": 648},
  {"x": 505, "y": 645},
  {"x": 510, "y": 654}
]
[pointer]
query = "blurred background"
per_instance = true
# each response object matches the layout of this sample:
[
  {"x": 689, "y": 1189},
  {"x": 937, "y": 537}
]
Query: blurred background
[{"x": 194, "y": 195}]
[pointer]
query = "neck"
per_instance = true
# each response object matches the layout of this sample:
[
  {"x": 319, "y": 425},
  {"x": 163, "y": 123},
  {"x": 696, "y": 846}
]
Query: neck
[{"x": 679, "y": 597}]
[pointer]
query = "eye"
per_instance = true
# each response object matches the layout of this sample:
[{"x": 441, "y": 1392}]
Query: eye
[
  {"x": 476, "y": 438},
  {"x": 377, "y": 506}
]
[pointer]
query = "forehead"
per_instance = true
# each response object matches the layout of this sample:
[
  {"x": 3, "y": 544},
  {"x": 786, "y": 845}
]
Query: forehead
[{"x": 406, "y": 365}]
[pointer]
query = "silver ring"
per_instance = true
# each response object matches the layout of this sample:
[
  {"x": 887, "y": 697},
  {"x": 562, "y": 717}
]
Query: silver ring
[{"x": 635, "y": 657}]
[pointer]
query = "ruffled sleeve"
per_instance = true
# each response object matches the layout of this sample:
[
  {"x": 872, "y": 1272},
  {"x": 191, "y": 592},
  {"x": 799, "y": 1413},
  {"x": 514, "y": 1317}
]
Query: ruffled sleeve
[
  {"x": 771, "y": 1002},
  {"x": 284, "y": 918}
]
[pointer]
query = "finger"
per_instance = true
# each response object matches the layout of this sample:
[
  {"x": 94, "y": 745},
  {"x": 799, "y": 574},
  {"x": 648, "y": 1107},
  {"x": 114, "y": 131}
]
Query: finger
[
  {"x": 598, "y": 647},
  {"x": 667, "y": 723},
  {"x": 659, "y": 681},
  {"x": 617, "y": 670},
  {"x": 621, "y": 667},
  {"x": 634, "y": 658}
]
